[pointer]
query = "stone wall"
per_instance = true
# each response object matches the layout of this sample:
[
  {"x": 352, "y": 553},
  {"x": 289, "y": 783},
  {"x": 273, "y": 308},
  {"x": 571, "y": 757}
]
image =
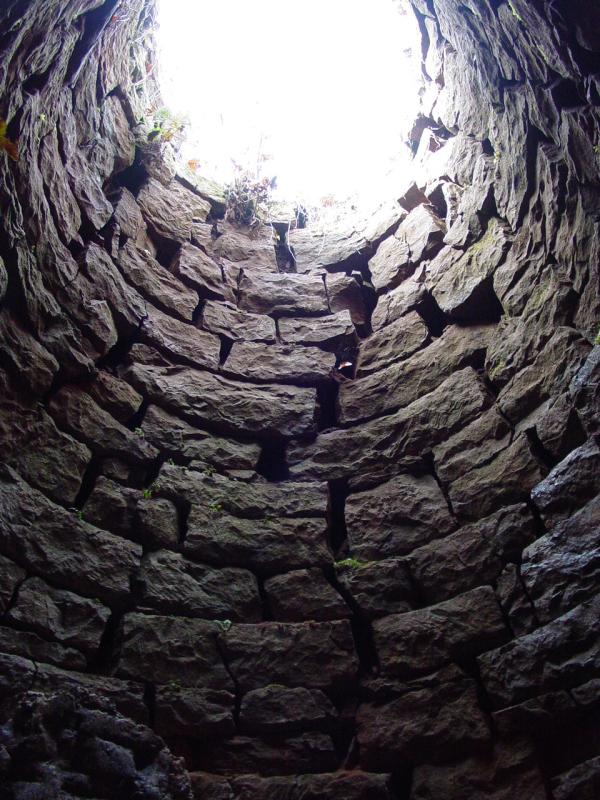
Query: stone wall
[{"x": 234, "y": 568}]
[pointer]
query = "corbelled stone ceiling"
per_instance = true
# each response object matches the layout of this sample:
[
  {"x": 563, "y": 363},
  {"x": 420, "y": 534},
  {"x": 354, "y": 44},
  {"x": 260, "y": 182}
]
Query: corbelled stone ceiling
[{"x": 311, "y": 521}]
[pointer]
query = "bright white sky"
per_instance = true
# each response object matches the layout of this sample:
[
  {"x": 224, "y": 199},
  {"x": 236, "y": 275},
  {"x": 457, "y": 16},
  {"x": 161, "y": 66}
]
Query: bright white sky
[{"x": 327, "y": 86}]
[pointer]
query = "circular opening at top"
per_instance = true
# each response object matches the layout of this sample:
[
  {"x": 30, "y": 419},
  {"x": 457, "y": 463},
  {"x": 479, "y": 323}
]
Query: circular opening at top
[{"x": 315, "y": 99}]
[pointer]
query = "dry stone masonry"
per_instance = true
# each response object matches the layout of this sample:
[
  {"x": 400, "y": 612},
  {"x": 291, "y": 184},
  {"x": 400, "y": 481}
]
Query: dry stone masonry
[{"x": 231, "y": 570}]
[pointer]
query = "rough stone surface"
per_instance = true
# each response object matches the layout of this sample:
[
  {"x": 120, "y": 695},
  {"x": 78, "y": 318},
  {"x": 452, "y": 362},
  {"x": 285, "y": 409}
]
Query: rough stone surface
[{"x": 312, "y": 503}]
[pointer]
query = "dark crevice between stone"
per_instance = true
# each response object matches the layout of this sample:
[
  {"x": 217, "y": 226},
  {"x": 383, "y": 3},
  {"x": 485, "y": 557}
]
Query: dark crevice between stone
[
  {"x": 198, "y": 311},
  {"x": 92, "y": 26},
  {"x": 432, "y": 315},
  {"x": 183, "y": 512},
  {"x": 528, "y": 597},
  {"x": 90, "y": 476},
  {"x": 484, "y": 307},
  {"x": 149, "y": 698},
  {"x": 470, "y": 666},
  {"x": 106, "y": 657},
  {"x": 118, "y": 353},
  {"x": 337, "y": 533},
  {"x": 225, "y": 349},
  {"x": 267, "y": 613},
  {"x": 134, "y": 176},
  {"x": 327, "y": 394},
  {"x": 13, "y": 598},
  {"x": 237, "y": 691},
  {"x": 284, "y": 253},
  {"x": 401, "y": 781},
  {"x": 272, "y": 462},
  {"x": 429, "y": 460},
  {"x": 503, "y": 611},
  {"x": 540, "y": 526},
  {"x": 543, "y": 456},
  {"x": 136, "y": 420}
]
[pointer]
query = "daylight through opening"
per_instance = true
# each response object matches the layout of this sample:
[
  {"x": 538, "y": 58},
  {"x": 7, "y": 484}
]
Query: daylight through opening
[{"x": 316, "y": 98}]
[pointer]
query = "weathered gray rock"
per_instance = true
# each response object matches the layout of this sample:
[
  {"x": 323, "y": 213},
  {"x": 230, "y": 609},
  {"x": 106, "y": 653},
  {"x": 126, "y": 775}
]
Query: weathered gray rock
[
  {"x": 511, "y": 770},
  {"x": 227, "y": 320},
  {"x": 550, "y": 374},
  {"x": 316, "y": 655},
  {"x": 278, "y": 709},
  {"x": 74, "y": 409},
  {"x": 251, "y": 249},
  {"x": 418, "y": 237},
  {"x": 279, "y": 363},
  {"x": 157, "y": 522},
  {"x": 557, "y": 426},
  {"x": 582, "y": 782},
  {"x": 302, "y": 595},
  {"x": 56, "y": 180},
  {"x": 382, "y": 442},
  {"x": 424, "y": 725},
  {"x": 411, "y": 294},
  {"x": 304, "y": 752},
  {"x": 569, "y": 485},
  {"x": 174, "y": 436},
  {"x": 128, "y": 216},
  {"x": 47, "y": 540},
  {"x": 344, "y": 293},
  {"x": 170, "y": 210},
  {"x": 473, "y": 446},
  {"x": 508, "y": 478},
  {"x": 167, "y": 649},
  {"x": 57, "y": 463},
  {"x": 259, "y": 500},
  {"x": 194, "y": 267},
  {"x": 265, "y": 545},
  {"x": 180, "y": 341},
  {"x": 403, "y": 382},
  {"x": 57, "y": 614},
  {"x": 263, "y": 293},
  {"x": 378, "y": 588},
  {"x": 585, "y": 391},
  {"x": 330, "y": 332},
  {"x": 558, "y": 655},
  {"x": 114, "y": 395},
  {"x": 156, "y": 283},
  {"x": 562, "y": 568},
  {"x": 127, "y": 306},
  {"x": 472, "y": 556},
  {"x": 27, "y": 358},
  {"x": 515, "y": 603},
  {"x": 196, "y": 713},
  {"x": 227, "y": 405},
  {"x": 27, "y": 644},
  {"x": 172, "y": 584},
  {"x": 11, "y": 575},
  {"x": 461, "y": 283},
  {"x": 395, "y": 342},
  {"x": 396, "y": 517},
  {"x": 341, "y": 785},
  {"x": 421, "y": 641}
]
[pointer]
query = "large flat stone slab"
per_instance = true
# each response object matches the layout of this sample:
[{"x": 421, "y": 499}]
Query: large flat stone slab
[{"x": 227, "y": 405}]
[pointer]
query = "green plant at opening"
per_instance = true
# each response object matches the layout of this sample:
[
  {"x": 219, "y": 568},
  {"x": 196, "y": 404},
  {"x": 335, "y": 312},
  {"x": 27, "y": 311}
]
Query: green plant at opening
[
  {"x": 597, "y": 339},
  {"x": 246, "y": 196},
  {"x": 351, "y": 563},
  {"x": 215, "y": 507},
  {"x": 147, "y": 493},
  {"x": 139, "y": 432},
  {"x": 223, "y": 625},
  {"x": 166, "y": 125}
]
